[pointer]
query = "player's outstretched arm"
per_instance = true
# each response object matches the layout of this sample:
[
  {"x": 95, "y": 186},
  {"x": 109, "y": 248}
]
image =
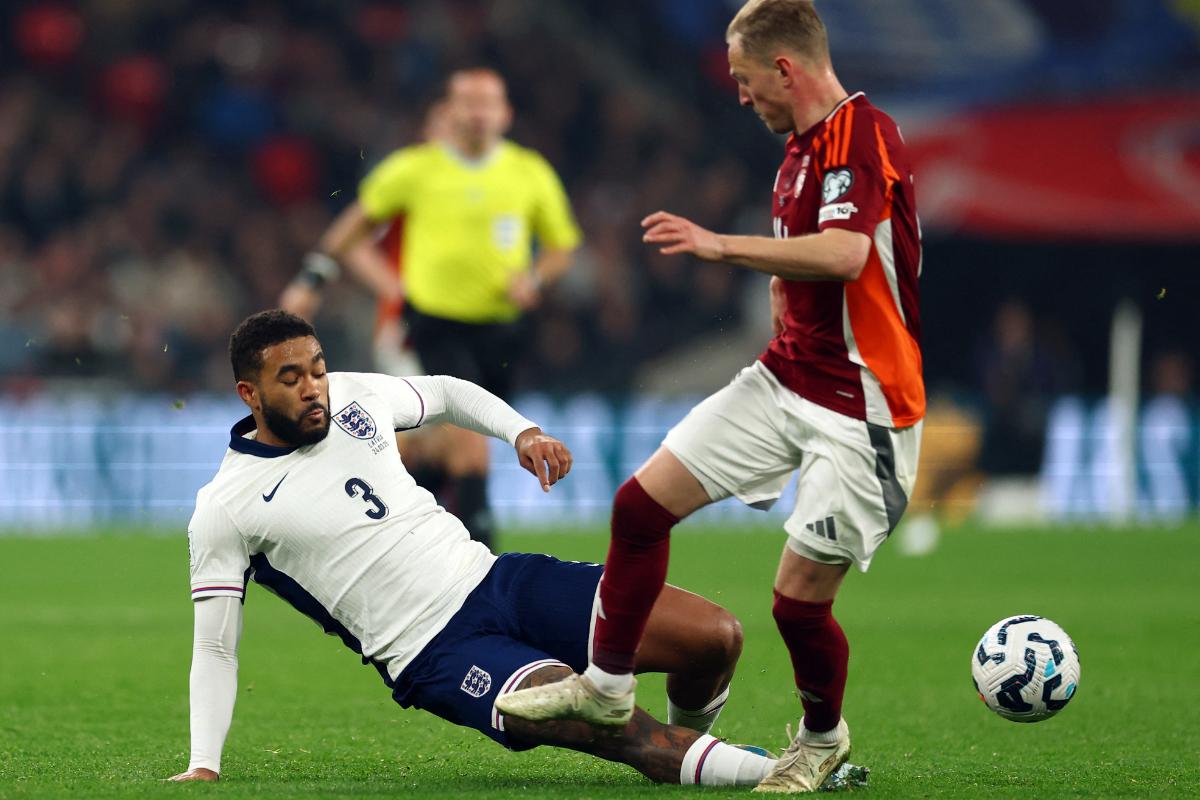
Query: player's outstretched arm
[
  {"x": 832, "y": 254},
  {"x": 213, "y": 684},
  {"x": 462, "y": 403},
  {"x": 346, "y": 242}
]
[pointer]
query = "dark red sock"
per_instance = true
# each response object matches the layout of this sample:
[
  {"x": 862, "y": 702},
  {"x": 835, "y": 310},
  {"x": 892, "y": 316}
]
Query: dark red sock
[
  {"x": 634, "y": 574},
  {"x": 820, "y": 655}
]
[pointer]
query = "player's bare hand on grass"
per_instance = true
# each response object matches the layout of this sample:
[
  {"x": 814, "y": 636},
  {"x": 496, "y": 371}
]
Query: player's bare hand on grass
[
  {"x": 544, "y": 456},
  {"x": 197, "y": 774},
  {"x": 676, "y": 235}
]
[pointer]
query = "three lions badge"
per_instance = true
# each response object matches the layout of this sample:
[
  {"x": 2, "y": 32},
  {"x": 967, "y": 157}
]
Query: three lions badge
[{"x": 355, "y": 420}]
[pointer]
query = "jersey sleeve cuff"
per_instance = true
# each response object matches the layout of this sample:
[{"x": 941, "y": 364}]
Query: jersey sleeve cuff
[
  {"x": 519, "y": 428},
  {"x": 218, "y": 588}
]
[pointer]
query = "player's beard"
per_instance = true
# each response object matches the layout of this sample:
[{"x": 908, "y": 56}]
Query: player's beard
[{"x": 291, "y": 430}]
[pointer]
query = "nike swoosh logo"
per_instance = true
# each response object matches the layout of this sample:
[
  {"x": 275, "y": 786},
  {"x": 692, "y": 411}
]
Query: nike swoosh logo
[{"x": 269, "y": 497}]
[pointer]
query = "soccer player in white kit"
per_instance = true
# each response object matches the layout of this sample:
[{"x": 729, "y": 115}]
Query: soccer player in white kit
[{"x": 312, "y": 502}]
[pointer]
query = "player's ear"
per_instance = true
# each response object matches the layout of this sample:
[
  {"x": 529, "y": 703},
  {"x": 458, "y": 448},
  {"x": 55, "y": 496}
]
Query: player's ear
[
  {"x": 784, "y": 68},
  {"x": 249, "y": 394}
]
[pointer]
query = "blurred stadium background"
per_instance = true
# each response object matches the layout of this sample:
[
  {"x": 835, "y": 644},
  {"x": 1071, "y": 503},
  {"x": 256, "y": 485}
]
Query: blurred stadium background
[{"x": 164, "y": 165}]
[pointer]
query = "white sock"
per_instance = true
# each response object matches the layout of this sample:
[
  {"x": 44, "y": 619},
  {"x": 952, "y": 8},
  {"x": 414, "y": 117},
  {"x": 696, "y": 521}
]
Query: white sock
[
  {"x": 608, "y": 683},
  {"x": 701, "y": 720},
  {"x": 711, "y": 762},
  {"x": 824, "y": 737}
]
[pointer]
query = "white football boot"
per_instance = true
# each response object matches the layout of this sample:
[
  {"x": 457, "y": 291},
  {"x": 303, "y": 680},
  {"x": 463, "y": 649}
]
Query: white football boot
[
  {"x": 574, "y": 697},
  {"x": 806, "y": 764}
]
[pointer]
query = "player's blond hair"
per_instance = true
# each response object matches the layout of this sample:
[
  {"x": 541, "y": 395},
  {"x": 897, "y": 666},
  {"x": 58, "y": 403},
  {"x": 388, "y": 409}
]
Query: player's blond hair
[{"x": 767, "y": 26}]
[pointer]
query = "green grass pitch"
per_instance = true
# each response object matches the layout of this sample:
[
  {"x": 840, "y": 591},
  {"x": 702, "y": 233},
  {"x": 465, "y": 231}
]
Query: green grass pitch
[{"x": 96, "y": 636}]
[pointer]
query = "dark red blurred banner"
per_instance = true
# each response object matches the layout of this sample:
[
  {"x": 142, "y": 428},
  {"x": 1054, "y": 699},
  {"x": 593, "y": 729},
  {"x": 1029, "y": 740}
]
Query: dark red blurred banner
[{"x": 1109, "y": 169}]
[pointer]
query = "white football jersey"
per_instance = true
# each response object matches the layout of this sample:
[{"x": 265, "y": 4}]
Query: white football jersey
[{"x": 339, "y": 529}]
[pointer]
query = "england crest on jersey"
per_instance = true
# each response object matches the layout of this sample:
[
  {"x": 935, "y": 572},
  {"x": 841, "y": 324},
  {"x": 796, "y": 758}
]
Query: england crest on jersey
[{"x": 355, "y": 420}]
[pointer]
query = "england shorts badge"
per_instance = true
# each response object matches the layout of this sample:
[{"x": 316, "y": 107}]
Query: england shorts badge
[
  {"x": 477, "y": 683},
  {"x": 354, "y": 420}
]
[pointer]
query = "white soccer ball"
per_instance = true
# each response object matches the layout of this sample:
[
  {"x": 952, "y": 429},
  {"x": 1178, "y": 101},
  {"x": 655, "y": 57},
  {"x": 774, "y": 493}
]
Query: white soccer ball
[{"x": 1026, "y": 668}]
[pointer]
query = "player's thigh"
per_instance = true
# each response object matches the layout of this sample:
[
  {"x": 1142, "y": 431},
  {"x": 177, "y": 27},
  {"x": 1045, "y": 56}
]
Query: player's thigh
[
  {"x": 853, "y": 487},
  {"x": 735, "y": 442},
  {"x": 688, "y": 634},
  {"x": 459, "y": 679},
  {"x": 671, "y": 484},
  {"x": 550, "y": 604}
]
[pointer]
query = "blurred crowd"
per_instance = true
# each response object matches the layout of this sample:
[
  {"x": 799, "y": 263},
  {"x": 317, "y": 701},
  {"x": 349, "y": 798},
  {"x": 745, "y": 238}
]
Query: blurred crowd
[{"x": 165, "y": 165}]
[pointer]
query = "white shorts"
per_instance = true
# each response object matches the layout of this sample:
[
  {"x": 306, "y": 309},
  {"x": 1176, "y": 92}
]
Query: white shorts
[{"x": 855, "y": 478}]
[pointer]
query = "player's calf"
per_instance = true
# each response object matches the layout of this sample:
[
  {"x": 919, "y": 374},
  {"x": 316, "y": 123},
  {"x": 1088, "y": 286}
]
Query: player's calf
[
  {"x": 663, "y": 753},
  {"x": 697, "y": 643}
]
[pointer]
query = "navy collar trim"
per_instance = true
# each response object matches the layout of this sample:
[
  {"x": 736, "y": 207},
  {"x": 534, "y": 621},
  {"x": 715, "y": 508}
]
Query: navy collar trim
[{"x": 239, "y": 442}]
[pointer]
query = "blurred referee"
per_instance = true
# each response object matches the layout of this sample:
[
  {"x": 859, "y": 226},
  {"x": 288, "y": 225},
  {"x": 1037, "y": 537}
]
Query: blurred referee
[{"x": 472, "y": 204}]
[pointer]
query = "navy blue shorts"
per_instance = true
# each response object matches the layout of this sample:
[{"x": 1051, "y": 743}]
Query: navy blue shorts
[{"x": 529, "y": 612}]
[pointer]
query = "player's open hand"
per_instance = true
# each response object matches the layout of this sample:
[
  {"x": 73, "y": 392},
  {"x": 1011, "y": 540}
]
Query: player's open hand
[
  {"x": 676, "y": 234},
  {"x": 778, "y": 304},
  {"x": 197, "y": 774},
  {"x": 546, "y": 457}
]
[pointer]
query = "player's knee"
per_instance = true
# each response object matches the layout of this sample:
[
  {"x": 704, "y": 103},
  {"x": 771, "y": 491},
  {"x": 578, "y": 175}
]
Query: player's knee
[
  {"x": 720, "y": 644},
  {"x": 727, "y": 639}
]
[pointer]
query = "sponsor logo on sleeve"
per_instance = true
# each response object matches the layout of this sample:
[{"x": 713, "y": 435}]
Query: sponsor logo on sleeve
[
  {"x": 355, "y": 420},
  {"x": 837, "y": 182},
  {"x": 836, "y": 211},
  {"x": 477, "y": 682}
]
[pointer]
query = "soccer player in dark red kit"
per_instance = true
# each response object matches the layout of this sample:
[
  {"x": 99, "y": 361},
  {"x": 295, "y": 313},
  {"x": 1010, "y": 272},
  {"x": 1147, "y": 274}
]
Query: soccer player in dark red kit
[{"x": 838, "y": 394}]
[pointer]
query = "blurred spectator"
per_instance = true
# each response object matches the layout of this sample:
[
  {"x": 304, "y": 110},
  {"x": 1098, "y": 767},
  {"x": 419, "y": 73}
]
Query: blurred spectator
[
  {"x": 1167, "y": 437},
  {"x": 163, "y": 170},
  {"x": 1020, "y": 375}
]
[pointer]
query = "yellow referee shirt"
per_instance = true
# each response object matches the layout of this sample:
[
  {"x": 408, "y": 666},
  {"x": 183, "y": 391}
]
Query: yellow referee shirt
[{"x": 468, "y": 226}]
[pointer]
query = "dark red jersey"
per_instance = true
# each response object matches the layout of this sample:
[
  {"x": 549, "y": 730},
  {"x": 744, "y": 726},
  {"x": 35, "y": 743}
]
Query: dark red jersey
[{"x": 853, "y": 346}]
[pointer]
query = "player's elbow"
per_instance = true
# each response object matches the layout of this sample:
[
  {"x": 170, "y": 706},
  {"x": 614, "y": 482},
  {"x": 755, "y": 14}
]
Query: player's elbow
[
  {"x": 850, "y": 268},
  {"x": 848, "y": 254},
  {"x": 215, "y": 649}
]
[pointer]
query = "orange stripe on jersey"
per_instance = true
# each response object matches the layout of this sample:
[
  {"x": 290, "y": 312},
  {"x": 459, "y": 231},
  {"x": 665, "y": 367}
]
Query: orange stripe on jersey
[
  {"x": 890, "y": 176},
  {"x": 883, "y": 340},
  {"x": 848, "y": 129},
  {"x": 835, "y": 139}
]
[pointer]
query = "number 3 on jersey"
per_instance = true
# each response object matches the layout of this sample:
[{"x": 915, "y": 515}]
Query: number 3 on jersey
[{"x": 356, "y": 485}]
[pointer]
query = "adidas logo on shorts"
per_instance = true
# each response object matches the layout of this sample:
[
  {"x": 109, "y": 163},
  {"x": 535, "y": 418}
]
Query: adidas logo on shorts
[{"x": 824, "y": 527}]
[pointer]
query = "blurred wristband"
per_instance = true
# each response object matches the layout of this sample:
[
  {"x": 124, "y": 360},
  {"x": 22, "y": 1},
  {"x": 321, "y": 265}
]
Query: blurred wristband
[{"x": 318, "y": 269}]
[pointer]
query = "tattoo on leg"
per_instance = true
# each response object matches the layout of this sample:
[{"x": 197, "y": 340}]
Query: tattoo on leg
[{"x": 652, "y": 748}]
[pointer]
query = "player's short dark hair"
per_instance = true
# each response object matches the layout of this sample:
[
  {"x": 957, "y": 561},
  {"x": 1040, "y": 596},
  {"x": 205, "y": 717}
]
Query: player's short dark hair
[
  {"x": 258, "y": 332},
  {"x": 767, "y": 25}
]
